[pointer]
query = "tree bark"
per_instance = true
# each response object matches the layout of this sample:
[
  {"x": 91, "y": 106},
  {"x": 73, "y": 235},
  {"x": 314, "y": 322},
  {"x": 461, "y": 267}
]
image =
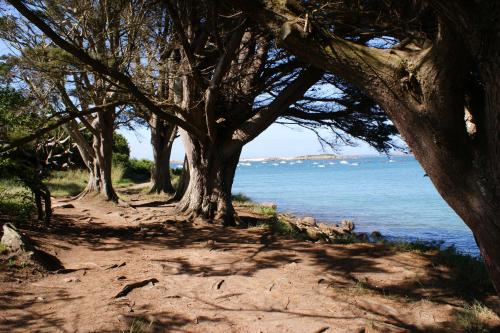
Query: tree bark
[
  {"x": 211, "y": 173},
  {"x": 162, "y": 139},
  {"x": 103, "y": 146},
  {"x": 444, "y": 100},
  {"x": 98, "y": 156}
]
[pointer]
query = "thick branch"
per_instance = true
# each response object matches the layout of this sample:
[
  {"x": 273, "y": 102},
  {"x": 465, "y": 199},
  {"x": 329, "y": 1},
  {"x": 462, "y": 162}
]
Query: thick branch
[
  {"x": 267, "y": 115},
  {"x": 356, "y": 63},
  {"x": 71, "y": 107},
  {"x": 45, "y": 130}
]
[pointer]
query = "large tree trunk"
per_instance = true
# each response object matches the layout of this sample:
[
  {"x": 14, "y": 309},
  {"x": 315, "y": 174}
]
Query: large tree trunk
[
  {"x": 98, "y": 156},
  {"x": 211, "y": 173},
  {"x": 162, "y": 139},
  {"x": 444, "y": 99},
  {"x": 103, "y": 146}
]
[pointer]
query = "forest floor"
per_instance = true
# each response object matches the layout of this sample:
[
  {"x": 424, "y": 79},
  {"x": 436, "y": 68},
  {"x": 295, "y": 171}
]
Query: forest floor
[{"x": 213, "y": 279}]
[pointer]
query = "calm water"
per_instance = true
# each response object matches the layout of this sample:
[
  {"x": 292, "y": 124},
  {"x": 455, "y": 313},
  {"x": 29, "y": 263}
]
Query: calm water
[{"x": 391, "y": 196}]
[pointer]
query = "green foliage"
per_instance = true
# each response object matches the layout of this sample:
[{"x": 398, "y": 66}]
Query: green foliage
[
  {"x": 121, "y": 150},
  {"x": 137, "y": 170},
  {"x": 241, "y": 198},
  {"x": 120, "y": 145},
  {"x": 132, "y": 170},
  {"x": 16, "y": 201},
  {"x": 67, "y": 183}
]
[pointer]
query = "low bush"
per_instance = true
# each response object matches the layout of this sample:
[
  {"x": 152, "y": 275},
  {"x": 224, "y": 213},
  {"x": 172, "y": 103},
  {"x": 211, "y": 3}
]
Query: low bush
[
  {"x": 137, "y": 171},
  {"x": 16, "y": 202}
]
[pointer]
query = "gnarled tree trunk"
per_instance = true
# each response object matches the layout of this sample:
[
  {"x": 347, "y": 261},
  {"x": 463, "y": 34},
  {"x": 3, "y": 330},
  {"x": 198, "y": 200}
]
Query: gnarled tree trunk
[
  {"x": 162, "y": 139},
  {"x": 211, "y": 173},
  {"x": 98, "y": 156},
  {"x": 443, "y": 98}
]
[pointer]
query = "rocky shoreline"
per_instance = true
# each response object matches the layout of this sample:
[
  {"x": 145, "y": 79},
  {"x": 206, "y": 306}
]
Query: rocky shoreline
[{"x": 311, "y": 229}]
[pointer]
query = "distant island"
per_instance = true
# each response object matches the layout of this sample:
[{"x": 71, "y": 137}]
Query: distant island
[{"x": 315, "y": 157}]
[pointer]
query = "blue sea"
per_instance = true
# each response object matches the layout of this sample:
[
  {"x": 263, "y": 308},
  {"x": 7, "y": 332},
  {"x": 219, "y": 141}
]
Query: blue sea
[{"x": 390, "y": 195}]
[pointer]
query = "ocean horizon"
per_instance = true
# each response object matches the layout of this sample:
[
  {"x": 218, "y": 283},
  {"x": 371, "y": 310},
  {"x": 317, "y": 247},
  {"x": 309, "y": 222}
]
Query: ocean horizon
[{"x": 391, "y": 195}]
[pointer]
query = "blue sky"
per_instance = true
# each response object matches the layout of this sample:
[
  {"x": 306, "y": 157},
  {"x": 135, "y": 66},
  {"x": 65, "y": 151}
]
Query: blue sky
[{"x": 276, "y": 141}]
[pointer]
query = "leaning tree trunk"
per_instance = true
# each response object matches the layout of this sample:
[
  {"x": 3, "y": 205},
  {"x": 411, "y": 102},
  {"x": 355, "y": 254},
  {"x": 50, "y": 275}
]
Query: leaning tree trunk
[
  {"x": 211, "y": 173},
  {"x": 444, "y": 99},
  {"x": 162, "y": 139}
]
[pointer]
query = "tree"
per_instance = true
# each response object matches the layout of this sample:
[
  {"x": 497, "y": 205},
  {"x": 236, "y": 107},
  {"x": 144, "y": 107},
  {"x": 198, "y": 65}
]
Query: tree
[
  {"x": 64, "y": 82},
  {"x": 156, "y": 69},
  {"x": 226, "y": 66},
  {"x": 438, "y": 82},
  {"x": 28, "y": 163}
]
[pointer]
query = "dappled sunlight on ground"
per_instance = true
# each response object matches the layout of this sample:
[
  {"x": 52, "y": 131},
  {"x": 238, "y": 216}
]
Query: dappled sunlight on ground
[{"x": 212, "y": 279}]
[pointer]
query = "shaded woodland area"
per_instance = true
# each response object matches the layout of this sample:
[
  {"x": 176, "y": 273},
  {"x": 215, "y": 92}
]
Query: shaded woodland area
[{"x": 216, "y": 74}]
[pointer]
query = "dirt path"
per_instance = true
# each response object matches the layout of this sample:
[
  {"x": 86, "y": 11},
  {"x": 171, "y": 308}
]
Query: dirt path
[{"x": 217, "y": 280}]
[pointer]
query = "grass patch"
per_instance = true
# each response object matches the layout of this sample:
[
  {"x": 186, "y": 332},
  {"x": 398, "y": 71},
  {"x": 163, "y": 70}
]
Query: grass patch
[
  {"x": 283, "y": 228},
  {"x": 468, "y": 274},
  {"x": 139, "y": 325},
  {"x": 270, "y": 219},
  {"x": 67, "y": 183},
  {"x": 265, "y": 210},
  {"x": 16, "y": 201},
  {"x": 474, "y": 318},
  {"x": 73, "y": 182}
]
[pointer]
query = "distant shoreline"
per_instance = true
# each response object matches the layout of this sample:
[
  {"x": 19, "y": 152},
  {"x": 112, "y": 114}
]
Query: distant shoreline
[{"x": 310, "y": 158}]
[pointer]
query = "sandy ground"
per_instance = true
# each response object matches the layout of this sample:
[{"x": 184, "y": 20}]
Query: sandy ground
[{"x": 212, "y": 279}]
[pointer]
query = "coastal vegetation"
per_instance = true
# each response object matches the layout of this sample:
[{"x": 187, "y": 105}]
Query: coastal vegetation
[{"x": 217, "y": 74}]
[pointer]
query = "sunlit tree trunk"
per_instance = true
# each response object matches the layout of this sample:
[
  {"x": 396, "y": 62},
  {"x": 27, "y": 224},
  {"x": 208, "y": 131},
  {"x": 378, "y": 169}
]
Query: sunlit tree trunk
[{"x": 162, "y": 139}]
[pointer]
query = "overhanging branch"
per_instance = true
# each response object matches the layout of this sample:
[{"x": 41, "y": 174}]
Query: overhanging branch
[
  {"x": 21, "y": 141},
  {"x": 101, "y": 68}
]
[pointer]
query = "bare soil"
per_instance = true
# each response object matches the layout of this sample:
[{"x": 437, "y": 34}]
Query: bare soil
[{"x": 213, "y": 279}]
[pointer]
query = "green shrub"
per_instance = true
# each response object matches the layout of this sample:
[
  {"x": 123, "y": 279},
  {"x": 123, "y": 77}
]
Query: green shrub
[
  {"x": 120, "y": 159},
  {"x": 137, "y": 170},
  {"x": 241, "y": 198},
  {"x": 16, "y": 201},
  {"x": 120, "y": 145}
]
